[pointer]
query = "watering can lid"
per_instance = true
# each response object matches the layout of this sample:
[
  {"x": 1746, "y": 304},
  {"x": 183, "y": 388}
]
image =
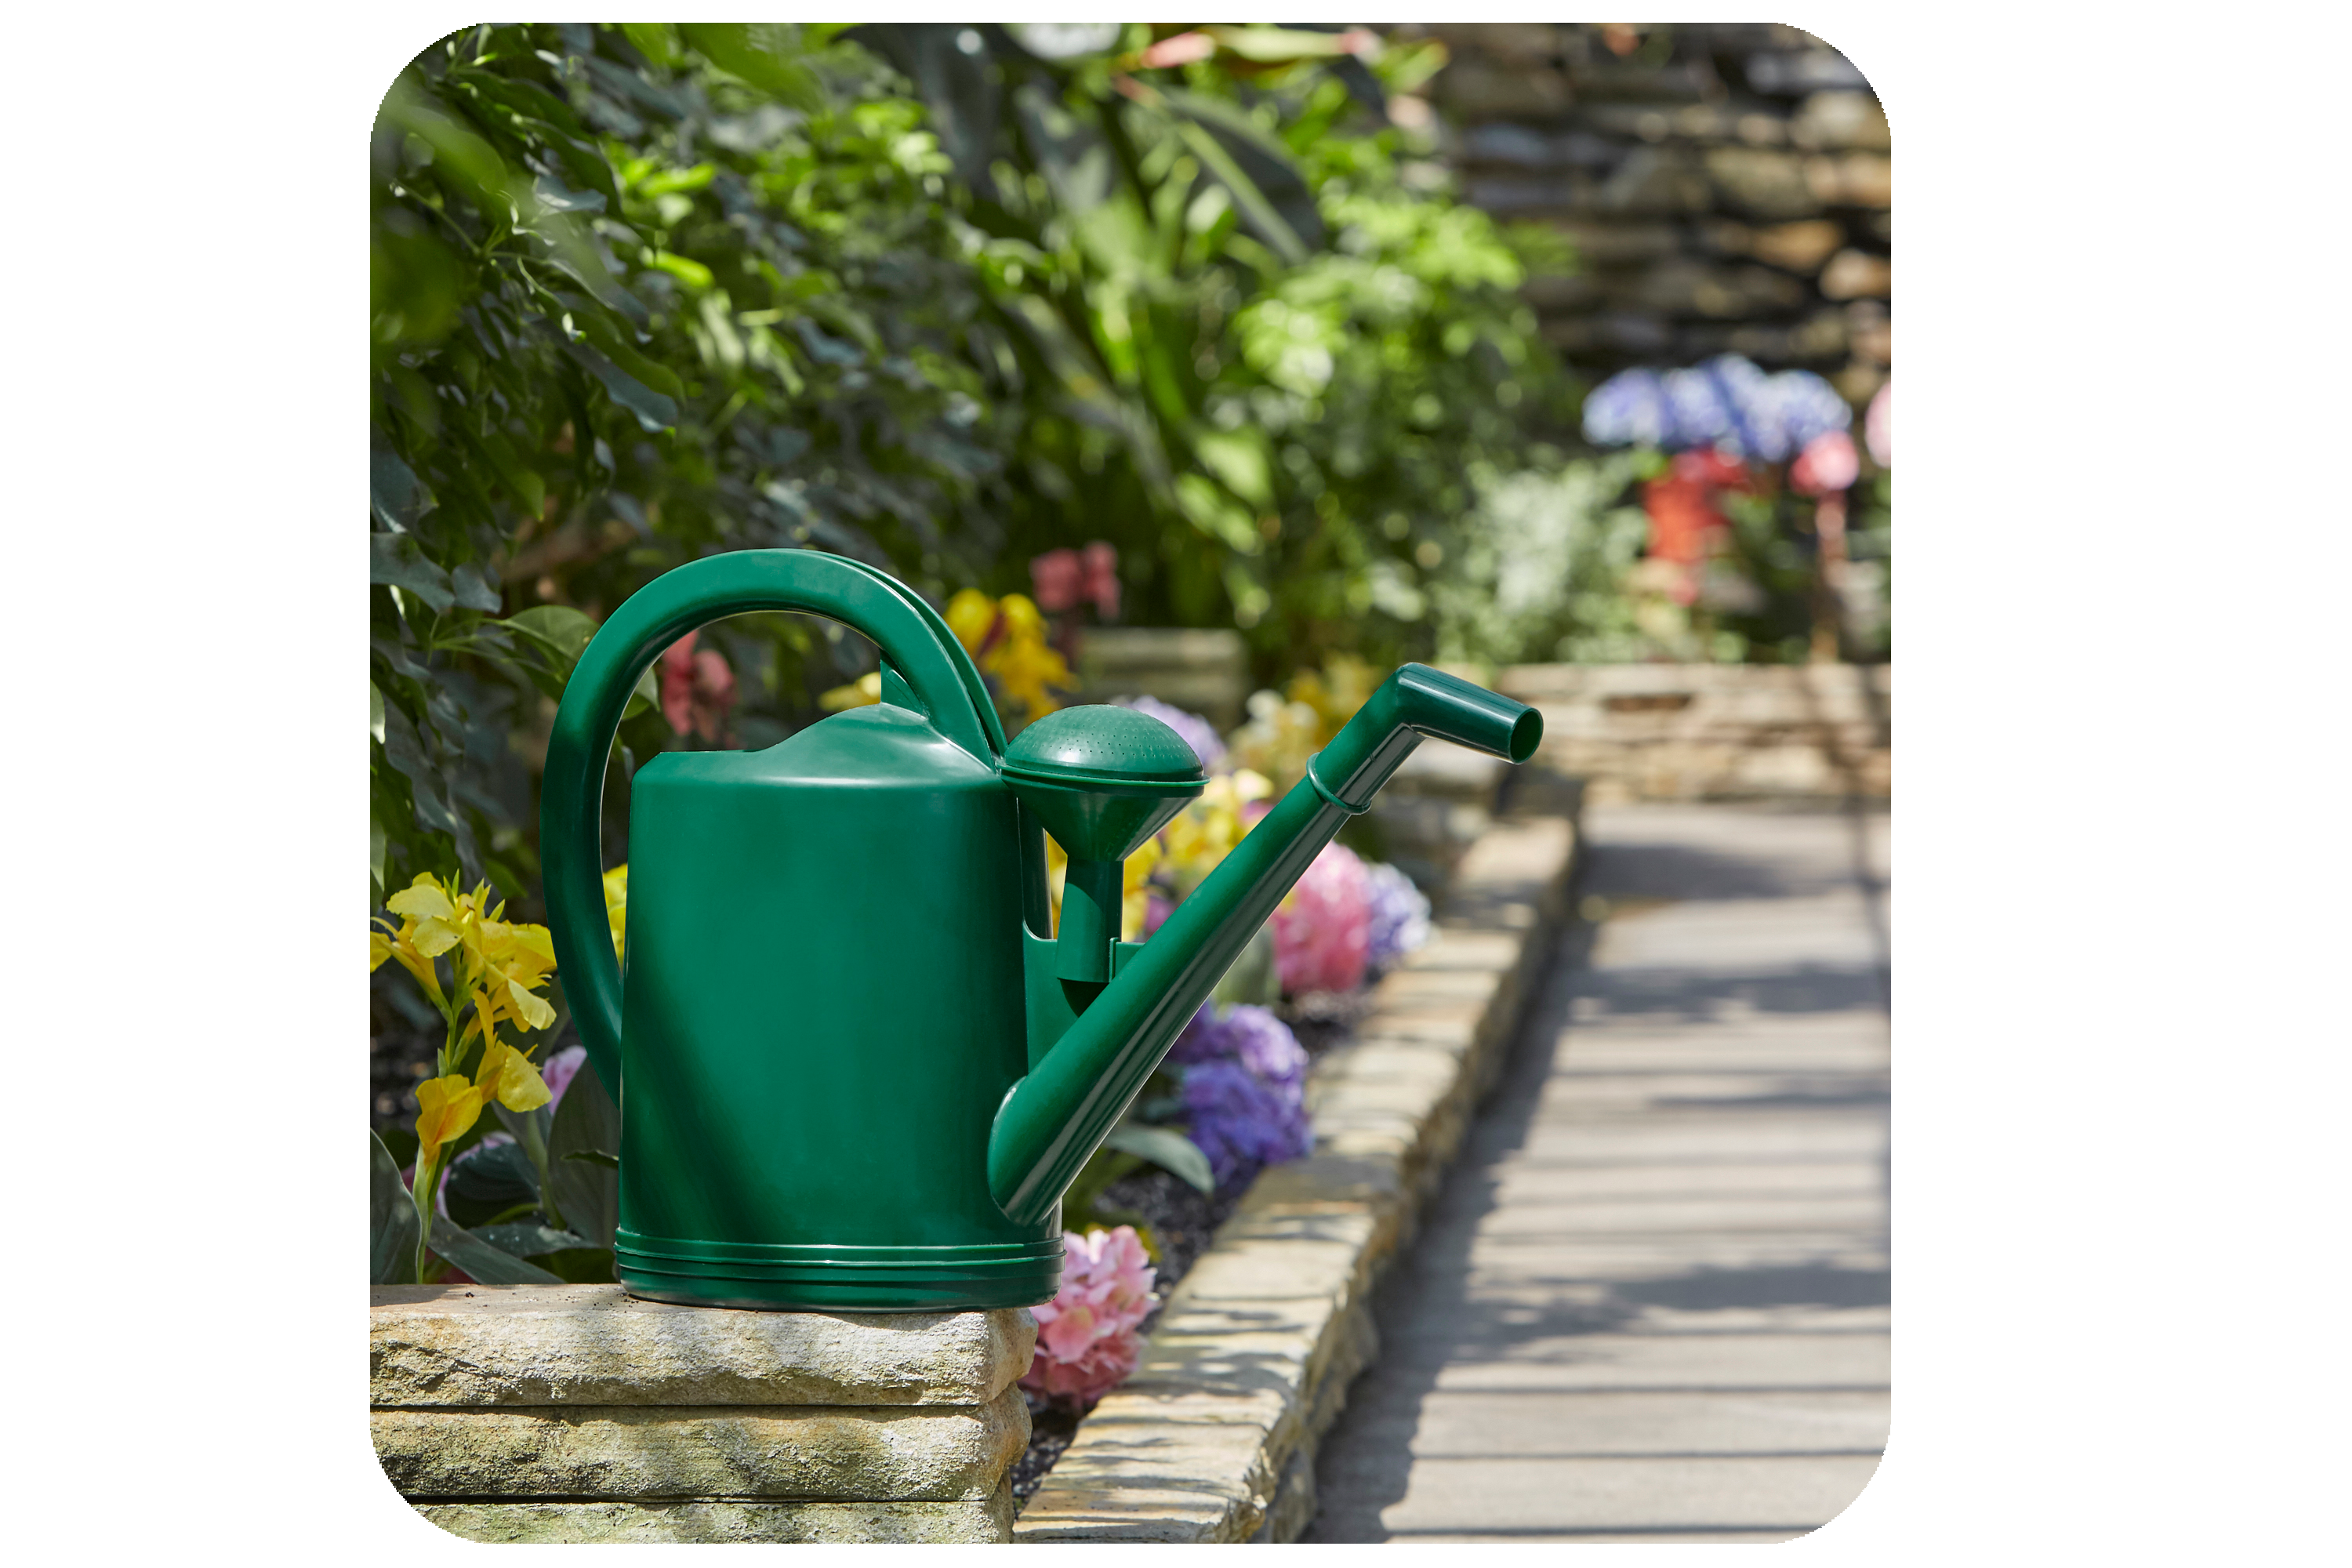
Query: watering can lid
[{"x": 1102, "y": 744}]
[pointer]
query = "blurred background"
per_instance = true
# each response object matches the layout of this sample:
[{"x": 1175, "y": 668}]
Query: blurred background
[{"x": 1221, "y": 364}]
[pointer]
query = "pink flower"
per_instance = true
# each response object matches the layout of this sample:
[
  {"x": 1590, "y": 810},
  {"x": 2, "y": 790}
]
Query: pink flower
[
  {"x": 1323, "y": 931},
  {"x": 697, "y": 689},
  {"x": 1064, "y": 579},
  {"x": 1878, "y": 427},
  {"x": 1828, "y": 463},
  {"x": 1086, "y": 1342},
  {"x": 1057, "y": 575}
]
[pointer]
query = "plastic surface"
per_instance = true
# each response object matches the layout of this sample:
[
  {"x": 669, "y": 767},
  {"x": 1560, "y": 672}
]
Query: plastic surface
[{"x": 853, "y": 1070}]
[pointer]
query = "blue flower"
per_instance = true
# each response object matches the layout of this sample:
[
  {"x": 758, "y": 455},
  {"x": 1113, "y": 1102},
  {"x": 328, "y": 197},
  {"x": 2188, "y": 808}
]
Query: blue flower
[
  {"x": 1198, "y": 733},
  {"x": 1400, "y": 916},
  {"x": 1726, "y": 402}
]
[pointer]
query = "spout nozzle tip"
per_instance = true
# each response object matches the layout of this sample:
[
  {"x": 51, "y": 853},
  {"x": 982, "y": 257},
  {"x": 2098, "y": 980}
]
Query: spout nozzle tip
[{"x": 1527, "y": 734}]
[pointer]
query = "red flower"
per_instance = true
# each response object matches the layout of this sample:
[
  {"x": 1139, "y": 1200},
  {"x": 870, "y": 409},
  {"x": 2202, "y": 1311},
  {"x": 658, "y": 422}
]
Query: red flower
[{"x": 698, "y": 689}]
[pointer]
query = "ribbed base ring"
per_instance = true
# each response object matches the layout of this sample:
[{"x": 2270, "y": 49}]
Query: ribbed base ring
[{"x": 828, "y": 1278}]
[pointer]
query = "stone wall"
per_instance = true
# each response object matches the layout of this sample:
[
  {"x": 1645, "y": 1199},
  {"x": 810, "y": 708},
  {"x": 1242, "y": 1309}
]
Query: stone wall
[
  {"x": 1727, "y": 186},
  {"x": 574, "y": 1412}
]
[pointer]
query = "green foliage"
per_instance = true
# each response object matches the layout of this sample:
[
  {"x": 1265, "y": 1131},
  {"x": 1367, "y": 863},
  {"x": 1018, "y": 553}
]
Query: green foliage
[
  {"x": 1255, "y": 355},
  {"x": 915, "y": 294}
]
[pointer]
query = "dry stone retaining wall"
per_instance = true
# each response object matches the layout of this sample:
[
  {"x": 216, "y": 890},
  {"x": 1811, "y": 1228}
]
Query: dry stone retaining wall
[{"x": 1726, "y": 185}]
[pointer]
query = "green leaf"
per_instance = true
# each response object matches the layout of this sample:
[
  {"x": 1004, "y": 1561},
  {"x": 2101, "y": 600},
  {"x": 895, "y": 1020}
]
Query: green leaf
[
  {"x": 473, "y": 591},
  {"x": 596, "y": 1157},
  {"x": 395, "y": 493},
  {"x": 1164, "y": 1147},
  {"x": 653, "y": 411},
  {"x": 376, "y": 713},
  {"x": 562, "y": 630},
  {"x": 398, "y": 560},
  {"x": 749, "y": 51},
  {"x": 484, "y": 1263},
  {"x": 524, "y": 1239},
  {"x": 587, "y": 1190},
  {"x": 391, "y": 1220}
]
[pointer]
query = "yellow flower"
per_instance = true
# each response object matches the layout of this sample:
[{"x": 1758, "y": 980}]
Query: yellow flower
[
  {"x": 445, "y": 1107},
  {"x": 424, "y": 934},
  {"x": 1205, "y": 831},
  {"x": 861, "y": 692},
  {"x": 616, "y": 903},
  {"x": 508, "y": 1078},
  {"x": 1135, "y": 900},
  {"x": 971, "y": 615},
  {"x": 1025, "y": 669},
  {"x": 1022, "y": 619},
  {"x": 1007, "y": 638}
]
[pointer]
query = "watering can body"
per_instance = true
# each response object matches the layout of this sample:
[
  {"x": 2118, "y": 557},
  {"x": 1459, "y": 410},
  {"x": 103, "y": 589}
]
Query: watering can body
[
  {"x": 856, "y": 1066},
  {"x": 822, "y": 1010}
]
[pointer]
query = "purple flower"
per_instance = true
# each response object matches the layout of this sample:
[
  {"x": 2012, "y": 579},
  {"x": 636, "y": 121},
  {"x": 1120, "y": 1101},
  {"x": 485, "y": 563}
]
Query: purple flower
[
  {"x": 1198, "y": 733},
  {"x": 1400, "y": 916},
  {"x": 1240, "y": 1120},
  {"x": 1251, "y": 1035},
  {"x": 558, "y": 1072}
]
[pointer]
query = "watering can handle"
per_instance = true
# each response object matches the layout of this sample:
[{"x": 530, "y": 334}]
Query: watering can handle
[{"x": 914, "y": 641}]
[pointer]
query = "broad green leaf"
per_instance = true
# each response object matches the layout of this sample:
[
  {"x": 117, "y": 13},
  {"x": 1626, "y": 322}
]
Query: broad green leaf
[
  {"x": 1238, "y": 457},
  {"x": 484, "y": 1263},
  {"x": 562, "y": 630},
  {"x": 472, "y": 590},
  {"x": 395, "y": 491},
  {"x": 589, "y": 1193},
  {"x": 1164, "y": 1147},
  {"x": 653, "y": 411},
  {"x": 376, "y": 713},
  {"x": 524, "y": 1239},
  {"x": 752, "y": 52},
  {"x": 396, "y": 560},
  {"x": 391, "y": 1220}
]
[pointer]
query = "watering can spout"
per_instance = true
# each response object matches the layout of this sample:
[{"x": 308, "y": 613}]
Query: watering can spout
[{"x": 1050, "y": 1120}]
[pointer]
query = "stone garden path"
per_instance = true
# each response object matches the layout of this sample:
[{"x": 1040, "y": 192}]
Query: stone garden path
[{"x": 1650, "y": 1302}]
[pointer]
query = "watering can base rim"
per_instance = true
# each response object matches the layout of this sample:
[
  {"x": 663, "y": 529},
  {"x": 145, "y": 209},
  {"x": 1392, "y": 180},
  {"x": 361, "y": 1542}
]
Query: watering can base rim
[{"x": 821, "y": 1278}]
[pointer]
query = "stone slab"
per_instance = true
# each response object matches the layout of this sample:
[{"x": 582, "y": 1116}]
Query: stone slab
[
  {"x": 729, "y": 1522},
  {"x": 469, "y": 1346},
  {"x": 891, "y": 1453}
]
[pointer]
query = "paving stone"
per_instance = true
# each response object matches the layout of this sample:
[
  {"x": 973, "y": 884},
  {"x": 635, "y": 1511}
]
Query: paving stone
[
  {"x": 593, "y": 1345},
  {"x": 892, "y": 1453},
  {"x": 1652, "y": 1301}
]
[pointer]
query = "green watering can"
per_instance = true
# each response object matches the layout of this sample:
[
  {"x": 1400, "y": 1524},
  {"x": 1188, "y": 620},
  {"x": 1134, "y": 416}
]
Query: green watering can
[{"x": 855, "y": 1072}]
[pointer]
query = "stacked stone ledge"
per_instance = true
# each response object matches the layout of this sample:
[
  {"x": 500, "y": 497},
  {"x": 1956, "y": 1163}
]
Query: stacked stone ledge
[{"x": 575, "y": 1412}]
